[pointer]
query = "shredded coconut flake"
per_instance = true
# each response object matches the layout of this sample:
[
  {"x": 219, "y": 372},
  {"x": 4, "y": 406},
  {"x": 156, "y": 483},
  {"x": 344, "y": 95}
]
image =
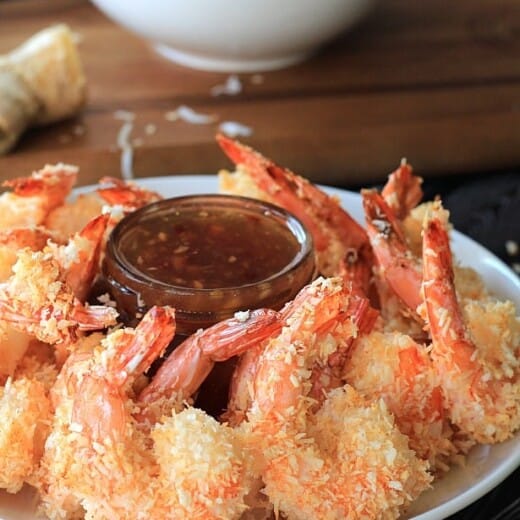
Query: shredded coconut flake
[
  {"x": 234, "y": 129},
  {"x": 106, "y": 300},
  {"x": 242, "y": 316},
  {"x": 127, "y": 156},
  {"x": 231, "y": 87},
  {"x": 150, "y": 129},
  {"x": 127, "y": 152},
  {"x": 124, "y": 115},
  {"x": 188, "y": 115}
]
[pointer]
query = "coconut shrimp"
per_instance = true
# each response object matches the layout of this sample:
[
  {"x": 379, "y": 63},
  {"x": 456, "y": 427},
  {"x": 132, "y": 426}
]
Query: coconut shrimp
[
  {"x": 208, "y": 478},
  {"x": 37, "y": 301},
  {"x": 13, "y": 342},
  {"x": 324, "y": 376},
  {"x": 26, "y": 414},
  {"x": 393, "y": 367},
  {"x": 34, "y": 197},
  {"x": 339, "y": 240},
  {"x": 79, "y": 258},
  {"x": 181, "y": 375},
  {"x": 475, "y": 348},
  {"x": 318, "y": 465},
  {"x": 212, "y": 477},
  {"x": 12, "y": 240},
  {"x": 13, "y": 346},
  {"x": 69, "y": 218},
  {"x": 95, "y": 461},
  {"x": 72, "y": 216},
  {"x": 126, "y": 194},
  {"x": 400, "y": 269},
  {"x": 204, "y": 471},
  {"x": 402, "y": 192}
]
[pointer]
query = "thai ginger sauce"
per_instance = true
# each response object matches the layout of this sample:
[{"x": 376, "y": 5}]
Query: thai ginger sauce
[
  {"x": 209, "y": 248},
  {"x": 208, "y": 257}
]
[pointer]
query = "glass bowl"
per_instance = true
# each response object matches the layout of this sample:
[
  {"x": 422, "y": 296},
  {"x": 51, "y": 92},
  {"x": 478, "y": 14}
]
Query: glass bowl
[{"x": 208, "y": 256}]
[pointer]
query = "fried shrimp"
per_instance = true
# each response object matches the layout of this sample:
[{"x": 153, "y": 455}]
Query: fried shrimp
[
  {"x": 26, "y": 414},
  {"x": 185, "y": 369},
  {"x": 402, "y": 192},
  {"x": 36, "y": 300},
  {"x": 399, "y": 268},
  {"x": 393, "y": 367},
  {"x": 125, "y": 194},
  {"x": 205, "y": 479},
  {"x": 475, "y": 349},
  {"x": 204, "y": 471},
  {"x": 95, "y": 460},
  {"x": 397, "y": 247},
  {"x": 79, "y": 257},
  {"x": 34, "y": 197},
  {"x": 339, "y": 240},
  {"x": 325, "y": 375},
  {"x": 70, "y": 217},
  {"x": 310, "y": 462},
  {"x": 12, "y": 240}
]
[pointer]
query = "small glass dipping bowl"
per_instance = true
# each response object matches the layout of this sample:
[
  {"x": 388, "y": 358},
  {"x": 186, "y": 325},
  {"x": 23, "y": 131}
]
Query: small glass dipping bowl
[{"x": 208, "y": 256}]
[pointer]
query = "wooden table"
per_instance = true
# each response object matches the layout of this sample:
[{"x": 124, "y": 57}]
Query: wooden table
[{"x": 436, "y": 82}]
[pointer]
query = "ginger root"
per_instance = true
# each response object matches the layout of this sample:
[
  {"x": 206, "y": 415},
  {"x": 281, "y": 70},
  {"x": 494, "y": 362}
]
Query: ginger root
[{"x": 41, "y": 81}]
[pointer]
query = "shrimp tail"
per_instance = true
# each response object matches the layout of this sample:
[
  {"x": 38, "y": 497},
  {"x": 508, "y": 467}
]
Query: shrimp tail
[
  {"x": 129, "y": 195},
  {"x": 190, "y": 363},
  {"x": 331, "y": 227},
  {"x": 403, "y": 191},
  {"x": 398, "y": 266},
  {"x": 85, "y": 248},
  {"x": 52, "y": 182},
  {"x": 438, "y": 285}
]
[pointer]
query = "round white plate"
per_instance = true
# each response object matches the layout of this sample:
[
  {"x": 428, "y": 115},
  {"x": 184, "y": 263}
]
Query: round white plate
[{"x": 486, "y": 466}]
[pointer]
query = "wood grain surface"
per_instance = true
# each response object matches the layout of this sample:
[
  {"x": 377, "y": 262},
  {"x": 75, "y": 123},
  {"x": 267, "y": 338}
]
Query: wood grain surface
[{"x": 436, "y": 82}]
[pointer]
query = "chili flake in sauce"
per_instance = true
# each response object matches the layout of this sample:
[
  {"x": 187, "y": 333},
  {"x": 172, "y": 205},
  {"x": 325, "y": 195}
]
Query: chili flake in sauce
[{"x": 209, "y": 248}]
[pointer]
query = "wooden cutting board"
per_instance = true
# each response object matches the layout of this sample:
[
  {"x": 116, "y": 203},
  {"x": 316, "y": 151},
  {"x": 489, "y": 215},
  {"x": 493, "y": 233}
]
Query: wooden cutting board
[{"x": 434, "y": 82}]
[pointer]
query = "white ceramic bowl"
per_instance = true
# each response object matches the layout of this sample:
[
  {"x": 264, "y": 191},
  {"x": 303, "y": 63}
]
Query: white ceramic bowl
[{"x": 234, "y": 36}]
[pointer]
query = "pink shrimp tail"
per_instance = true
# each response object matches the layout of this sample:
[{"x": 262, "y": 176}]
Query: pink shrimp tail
[
  {"x": 128, "y": 195},
  {"x": 81, "y": 275},
  {"x": 363, "y": 317},
  {"x": 52, "y": 182},
  {"x": 438, "y": 283},
  {"x": 399, "y": 268},
  {"x": 152, "y": 335},
  {"x": 403, "y": 191},
  {"x": 290, "y": 191},
  {"x": 190, "y": 363},
  {"x": 94, "y": 317}
]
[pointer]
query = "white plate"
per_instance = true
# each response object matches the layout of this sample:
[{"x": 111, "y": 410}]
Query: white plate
[{"x": 486, "y": 466}]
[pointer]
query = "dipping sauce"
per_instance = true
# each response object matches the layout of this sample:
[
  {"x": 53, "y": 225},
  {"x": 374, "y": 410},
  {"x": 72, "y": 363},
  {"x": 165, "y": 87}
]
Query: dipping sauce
[
  {"x": 208, "y": 256},
  {"x": 209, "y": 248}
]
